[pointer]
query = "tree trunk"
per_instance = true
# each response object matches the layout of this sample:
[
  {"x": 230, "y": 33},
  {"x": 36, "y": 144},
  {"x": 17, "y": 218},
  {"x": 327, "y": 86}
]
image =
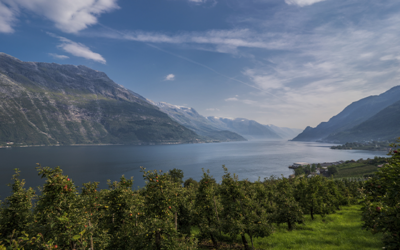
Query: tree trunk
[
  {"x": 158, "y": 240},
  {"x": 312, "y": 213},
  {"x": 251, "y": 239},
  {"x": 214, "y": 241},
  {"x": 91, "y": 239},
  {"x": 246, "y": 246},
  {"x": 176, "y": 221},
  {"x": 216, "y": 211},
  {"x": 289, "y": 225}
]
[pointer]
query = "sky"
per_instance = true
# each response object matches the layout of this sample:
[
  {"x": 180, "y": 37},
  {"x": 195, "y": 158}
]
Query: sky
[{"x": 291, "y": 63}]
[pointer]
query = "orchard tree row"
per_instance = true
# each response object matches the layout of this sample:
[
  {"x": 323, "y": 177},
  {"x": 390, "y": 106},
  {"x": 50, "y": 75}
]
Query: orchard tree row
[
  {"x": 161, "y": 214},
  {"x": 381, "y": 201}
]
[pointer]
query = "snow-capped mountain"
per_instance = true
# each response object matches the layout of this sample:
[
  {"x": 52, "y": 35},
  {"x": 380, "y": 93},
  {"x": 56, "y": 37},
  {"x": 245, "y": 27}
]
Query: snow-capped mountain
[
  {"x": 192, "y": 120},
  {"x": 249, "y": 129}
]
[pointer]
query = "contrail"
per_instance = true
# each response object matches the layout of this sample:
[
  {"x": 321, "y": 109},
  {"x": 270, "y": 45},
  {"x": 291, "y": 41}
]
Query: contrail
[{"x": 194, "y": 62}]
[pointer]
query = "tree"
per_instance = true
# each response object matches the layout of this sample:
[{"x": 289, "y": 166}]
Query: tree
[
  {"x": 192, "y": 182},
  {"x": 299, "y": 171},
  {"x": 159, "y": 206},
  {"x": 206, "y": 206},
  {"x": 122, "y": 211},
  {"x": 241, "y": 212},
  {"x": 287, "y": 209},
  {"x": 381, "y": 202},
  {"x": 59, "y": 216},
  {"x": 332, "y": 170},
  {"x": 177, "y": 175},
  {"x": 15, "y": 214},
  {"x": 310, "y": 193},
  {"x": 313, "y": 168}
]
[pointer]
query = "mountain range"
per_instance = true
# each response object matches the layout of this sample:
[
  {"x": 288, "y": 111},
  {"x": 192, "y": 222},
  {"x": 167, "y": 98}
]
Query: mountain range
[
  {"x": 371, "y": 118},
  {"x": 192, "y": 120},
  {"x": 250, "y": 129},
  {"x": 224, "y": 129},
  {"x": 53, "y": 104}
]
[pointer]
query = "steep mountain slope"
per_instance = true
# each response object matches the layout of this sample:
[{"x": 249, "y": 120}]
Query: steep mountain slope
[
  {"x": 248, "y": 128},
  {"x": 48, "y": 103},
  {"x": 383, "y": 126},
  {"x": 189, "y": 118},
  {"x": 351, "y": 116}
]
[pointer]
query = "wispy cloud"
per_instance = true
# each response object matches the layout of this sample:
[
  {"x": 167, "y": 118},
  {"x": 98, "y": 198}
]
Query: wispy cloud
[
  {"x": 78, "y": 49},
  {"x": 58, "y": 56},
  {"x": 302, "y": 3},
  {"x": 225, "y": 41},
  {"x": 7, "y": 18},
  {"x": 231, "y": 99},
  {"x": 170, "y": 77},
  {"x": 211, "y": 3},
  {"x": 69, "y": 16},
  {"x": 212, "y": 109}
]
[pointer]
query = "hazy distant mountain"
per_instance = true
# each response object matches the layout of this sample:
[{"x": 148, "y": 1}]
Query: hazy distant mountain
[
  {"x": 385, "y": 125},
  {"x": 285, "y": 133},
  {"x": 353, "y": 115},
  {"x": 248, "y": 128},
  {"x": 49, "y": 103},
  {"x": 192, "y": 120}
]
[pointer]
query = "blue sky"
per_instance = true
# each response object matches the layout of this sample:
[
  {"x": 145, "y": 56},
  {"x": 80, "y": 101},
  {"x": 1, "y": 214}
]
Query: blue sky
[{"x": 290, "y": 63}]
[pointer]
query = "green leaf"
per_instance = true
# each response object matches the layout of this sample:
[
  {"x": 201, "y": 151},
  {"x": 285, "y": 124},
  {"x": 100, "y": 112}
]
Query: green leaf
[{"x": 76, "y": 237}]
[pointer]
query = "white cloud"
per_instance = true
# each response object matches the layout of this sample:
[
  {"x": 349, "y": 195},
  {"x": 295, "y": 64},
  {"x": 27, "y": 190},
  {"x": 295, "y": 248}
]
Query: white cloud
[
  {"x": 232, "y": 99},
  {"x": 264, "y": 81},
  {"x": 78, "y": 49},
  {"x": 224, "y": 41},
  {"x": 70, "y": 16},
  {"x": 7, "y": 18},
  {"x": 170, "y": 77},
  {"x": 198, "y": 2},
  {"x": 302, "y": 3},
  {"x": 58, "y": 56}
]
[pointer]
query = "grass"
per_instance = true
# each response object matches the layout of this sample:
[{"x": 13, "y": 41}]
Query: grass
[{"x": 339, "y": 231}]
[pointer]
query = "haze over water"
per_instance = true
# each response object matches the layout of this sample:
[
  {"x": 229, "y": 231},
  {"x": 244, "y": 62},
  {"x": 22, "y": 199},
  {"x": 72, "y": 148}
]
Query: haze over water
[{"x": 251, "y": 159}]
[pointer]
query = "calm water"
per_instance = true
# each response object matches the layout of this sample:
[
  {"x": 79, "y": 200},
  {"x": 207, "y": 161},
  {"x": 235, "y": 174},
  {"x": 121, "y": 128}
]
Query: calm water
[{"x": 249, "y": 159}]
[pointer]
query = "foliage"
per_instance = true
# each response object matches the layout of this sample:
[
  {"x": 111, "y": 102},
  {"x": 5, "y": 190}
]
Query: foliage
[
  {"x": 381, "y": 204},
  {"x": 189, "y": 182},
  {"x": 176, "y": 175},
  {"x": 287, "y": 209},
  {"x": 206, "y": 208},
  {"x": 162, "y": 214},
  {"x": 332, "y": 170}
]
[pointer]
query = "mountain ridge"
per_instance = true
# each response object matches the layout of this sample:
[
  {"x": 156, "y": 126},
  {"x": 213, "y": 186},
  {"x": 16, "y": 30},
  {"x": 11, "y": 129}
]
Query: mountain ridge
[
  {"x": 49, "y": 103},
  {"x": 192, "y": 120},
  {"x": 353, "y": 115}
]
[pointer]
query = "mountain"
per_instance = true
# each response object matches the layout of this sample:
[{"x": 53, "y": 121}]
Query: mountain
[
  {"x": 192, "y": 120},
  {"x": 49, "y": 103},
  {"x": 247, "y": 128},
  {"x": 285, "y": 133},
  {"x": 385, "y": 125},
  {"x": 352, "y": 116}
]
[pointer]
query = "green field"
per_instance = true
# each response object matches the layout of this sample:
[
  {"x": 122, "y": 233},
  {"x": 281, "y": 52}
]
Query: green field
[
  {"x": 355, "y": 170},
  {"x": 340, "y": 231}
]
